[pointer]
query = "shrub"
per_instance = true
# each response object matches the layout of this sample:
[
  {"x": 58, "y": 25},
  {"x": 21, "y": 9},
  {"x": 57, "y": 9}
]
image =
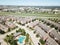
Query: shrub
[
  {"x": 52, "y": 26},
  {"x": 41, "y": 41},
  {"x": 10, "y": 39},
  {"x": 56, "y": 28},
  {"x": 37, "y": 35},
  {"x": 48, "y": 23},
  {"x": 34, "y": 32}
]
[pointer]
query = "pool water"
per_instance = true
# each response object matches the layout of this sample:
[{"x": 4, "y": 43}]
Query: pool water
[{"x": 21, "y": 39}]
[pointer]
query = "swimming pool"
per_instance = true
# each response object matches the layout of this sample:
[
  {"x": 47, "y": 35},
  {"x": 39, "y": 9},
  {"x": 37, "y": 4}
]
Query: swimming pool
[{"x": 21, "y": 39}]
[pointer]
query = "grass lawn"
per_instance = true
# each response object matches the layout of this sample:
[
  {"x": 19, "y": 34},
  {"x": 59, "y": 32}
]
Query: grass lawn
[{"x": 30, "y": 14}]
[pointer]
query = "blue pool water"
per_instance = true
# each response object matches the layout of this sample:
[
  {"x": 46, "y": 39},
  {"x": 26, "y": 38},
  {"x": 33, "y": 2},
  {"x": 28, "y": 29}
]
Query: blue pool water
[{"x": 21, "y": 39}]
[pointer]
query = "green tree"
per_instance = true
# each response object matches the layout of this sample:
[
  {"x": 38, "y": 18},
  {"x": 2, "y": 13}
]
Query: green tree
[
  {"x": 27, "y": 37},
  {"x": 37, "y": 35}
]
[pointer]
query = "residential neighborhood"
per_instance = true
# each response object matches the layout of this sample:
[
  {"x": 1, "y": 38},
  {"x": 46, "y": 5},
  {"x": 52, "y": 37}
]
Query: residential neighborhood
[
  {"x": 29, "y": 22},
  {"x": 28, "y": 31}
]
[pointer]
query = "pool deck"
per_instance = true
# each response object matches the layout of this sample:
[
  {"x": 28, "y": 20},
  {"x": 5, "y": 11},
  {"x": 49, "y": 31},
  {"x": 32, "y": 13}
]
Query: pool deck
[{"x": 18, "y": 41}]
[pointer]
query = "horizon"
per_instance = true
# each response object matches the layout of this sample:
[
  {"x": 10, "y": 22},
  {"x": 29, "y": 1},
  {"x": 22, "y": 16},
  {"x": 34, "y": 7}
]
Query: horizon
[
  {"x": 31, "y": 2},
  {"x": 28, "y": 5}
]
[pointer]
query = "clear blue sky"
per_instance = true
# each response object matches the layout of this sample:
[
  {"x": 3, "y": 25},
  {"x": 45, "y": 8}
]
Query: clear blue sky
[{"x": 31, "y": 2}]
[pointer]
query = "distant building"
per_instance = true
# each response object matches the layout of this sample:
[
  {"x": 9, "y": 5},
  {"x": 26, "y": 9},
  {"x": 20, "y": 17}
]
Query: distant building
[
  {"x": 52, "y": 23},
  {"x": 52, "y": 32},
  {"x": 3, "y": 28},
  {"x": 16, "y": 34},
  {"x": 56, "y": 11},
  {"x": 41, "y": 32},
  {"x": 24, "y": 20},
  {"x": 10, "y": 24},
  {"x": 43, "y": 35},
  {"x": 32, "y": 24},
  {"x": 50, "y": 41},
  {"x": 46, "y": 10}
]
